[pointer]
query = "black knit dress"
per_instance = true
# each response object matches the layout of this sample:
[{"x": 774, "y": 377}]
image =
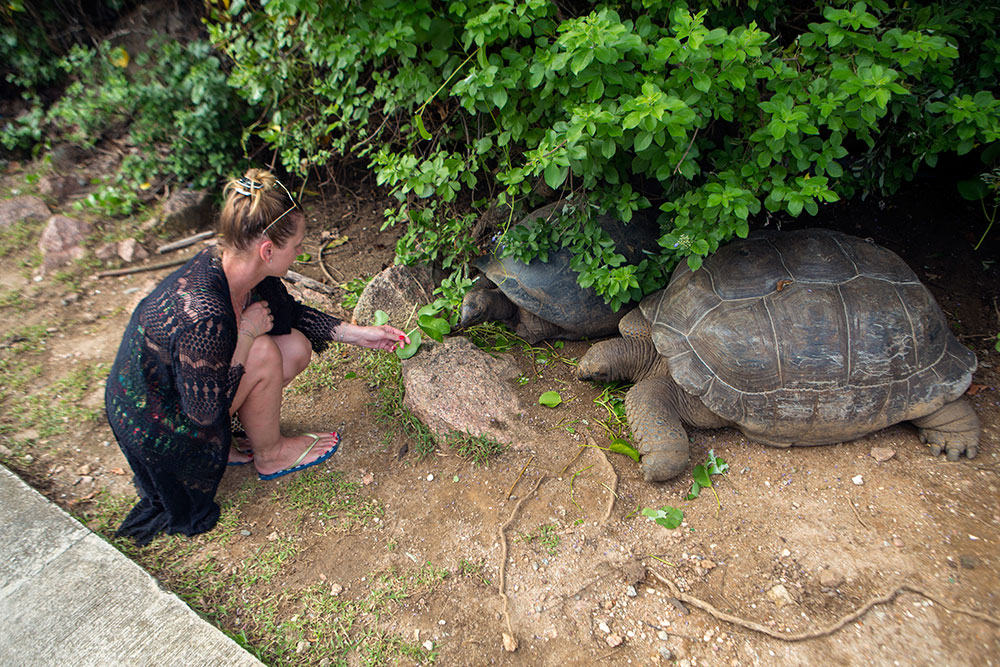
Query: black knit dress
[{"x": 171, "y": 386}]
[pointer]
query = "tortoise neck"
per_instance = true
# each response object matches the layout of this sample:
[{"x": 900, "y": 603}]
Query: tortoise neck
[{"x": 639, "y": 359}]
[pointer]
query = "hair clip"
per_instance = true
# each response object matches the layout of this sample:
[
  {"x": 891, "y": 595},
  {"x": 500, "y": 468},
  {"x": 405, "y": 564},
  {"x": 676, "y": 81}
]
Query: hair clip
[
  {"x": 290, "y": 199},
  {"x": 245, "y": 186}
]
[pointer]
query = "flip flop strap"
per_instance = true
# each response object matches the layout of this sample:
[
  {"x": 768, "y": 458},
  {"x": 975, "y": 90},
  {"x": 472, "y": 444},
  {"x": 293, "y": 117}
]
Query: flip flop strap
[{"x": 304, "y": 454}]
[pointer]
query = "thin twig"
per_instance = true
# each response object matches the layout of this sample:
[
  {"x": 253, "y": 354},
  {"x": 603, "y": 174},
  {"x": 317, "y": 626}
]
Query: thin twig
[
  {"x": 801, "y": 636},
  {"x": 511, "y": 489},
  {"x": 140, "y": 269},
  {"x": 681, "y": 161},
  {"x": 572, "y": 461},
  {"x": 503, "y": 552},
  {"x": 856, "y": 513},
  {"x": 314, "y": 285}
]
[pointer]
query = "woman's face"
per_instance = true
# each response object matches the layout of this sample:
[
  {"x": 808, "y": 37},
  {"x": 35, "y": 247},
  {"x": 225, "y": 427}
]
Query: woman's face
[{"x": 282, "y": 258}]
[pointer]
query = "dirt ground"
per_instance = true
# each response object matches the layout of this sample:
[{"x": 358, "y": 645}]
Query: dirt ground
[{"x": 798, "y": 539}]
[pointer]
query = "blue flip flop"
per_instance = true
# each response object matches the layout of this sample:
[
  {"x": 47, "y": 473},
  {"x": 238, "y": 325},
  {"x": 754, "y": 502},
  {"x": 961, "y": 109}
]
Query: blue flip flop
[
  {"x": 295, "y": 467},
  {"x": 249, "y": 452}
]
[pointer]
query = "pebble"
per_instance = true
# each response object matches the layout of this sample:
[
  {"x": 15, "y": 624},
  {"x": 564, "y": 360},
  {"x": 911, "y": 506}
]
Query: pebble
[
  {"x": 896, "y": 542},
  {"x": 430, "y": 478},
  {"x": 631, "y": 592},
  {"x": 336, "y": 590},
  {"x": 245, "y": 533},
  {"x": 858, "y": 480},
  {"x": 882, "y": 454},
  {"x": 830, "y": 578},
  {"x": 665, "y": 653},
  {"x": 303, "y": 645},
  {"x": 603, "y": 627},
  {"x": 663, "y": 636},
  {"x": 780, "y": 595},
  {"x": 272, "y": 537},
  {"x": 428, "y": 645},
  {"x": 614, "y": 640}
]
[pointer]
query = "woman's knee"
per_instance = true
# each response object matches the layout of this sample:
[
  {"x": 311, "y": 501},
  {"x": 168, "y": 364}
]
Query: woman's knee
[
  {"x": 265, "y": 356},
  {"x": 296, "y": 351}
]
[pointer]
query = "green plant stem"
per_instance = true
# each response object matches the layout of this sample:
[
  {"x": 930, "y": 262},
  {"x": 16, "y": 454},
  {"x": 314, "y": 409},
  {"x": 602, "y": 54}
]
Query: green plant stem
[
  {"x": 666, "y": 562},
  {"x": 572, "y": 480},
  {"x": 458, "y": 69},
  {"x": 991, "y": 218}
]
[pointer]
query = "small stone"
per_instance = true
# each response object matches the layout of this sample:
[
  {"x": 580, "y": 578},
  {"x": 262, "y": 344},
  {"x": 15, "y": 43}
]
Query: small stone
[
  {"x": 858, "y": 480},
  {"x": 603, "y": 627},
  {"x": 130, "y": 251},
  {"x": 882, "y": 454},
  {"x": 708, "y": 565},
  {"x": 607, "y": 604},
  {"x": 245, "y": 533},
  {"x": 631, "y": 592},
  {"x": 662, "y": 635},
  {"x": 86, "y": 479},
  {"x": 509, "y": 643},
  {"x": 302, "y": 646},
  {"x": 85, "y": 469},
  {"x": 272, "y": 537},
  {"x": 442, "y": 622},
  {"x": 786, "y": 553},
  {"x": 106, "y": 251},
  {"x": 666, "y": 654},
  {"x": 614, "y": 640},
  {"x": 428, "y": 645},
  {"x": 367, "y": 478},
  {"x": 430, "y": 478},
  {"x": 780, "y": 596},
  {"x": 337, "y": 589},
  {"x": 897, "y": 542},
  {"x": 967, "y": 562},
  {"x": 5, "y": 452},
  {"x": 830, "y": 578}
]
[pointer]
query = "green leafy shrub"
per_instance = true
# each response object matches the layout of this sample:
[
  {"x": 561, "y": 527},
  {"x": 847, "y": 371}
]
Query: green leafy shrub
[{"x": 718, "y": 114}]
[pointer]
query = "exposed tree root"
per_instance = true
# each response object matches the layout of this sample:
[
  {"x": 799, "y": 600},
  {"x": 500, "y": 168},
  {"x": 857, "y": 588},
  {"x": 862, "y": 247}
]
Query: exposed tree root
[
  {"x": 849, "y": 618},
  {"x": 510, "y": 641}
]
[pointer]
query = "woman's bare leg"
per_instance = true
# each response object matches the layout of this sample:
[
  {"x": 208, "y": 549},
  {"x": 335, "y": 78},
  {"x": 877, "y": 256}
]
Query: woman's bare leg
[{"x": 273, "y": 362}]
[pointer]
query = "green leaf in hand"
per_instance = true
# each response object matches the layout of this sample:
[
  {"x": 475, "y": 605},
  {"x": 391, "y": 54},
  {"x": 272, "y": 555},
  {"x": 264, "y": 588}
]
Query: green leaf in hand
[{"x": 410, "y": 349}]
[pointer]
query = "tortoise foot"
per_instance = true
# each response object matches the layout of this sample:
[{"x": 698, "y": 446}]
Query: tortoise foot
[
  {"x": 953, "y": 429},
  {"x": 664, "y": 465}
]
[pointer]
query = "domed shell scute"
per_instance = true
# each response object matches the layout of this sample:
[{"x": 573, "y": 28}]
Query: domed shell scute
[{"x": 809, "y": 336}]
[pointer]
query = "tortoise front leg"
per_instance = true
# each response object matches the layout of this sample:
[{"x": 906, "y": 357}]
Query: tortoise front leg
[
  {"x": 953, "y": 428},
  {"x": 656, "y": 425}
]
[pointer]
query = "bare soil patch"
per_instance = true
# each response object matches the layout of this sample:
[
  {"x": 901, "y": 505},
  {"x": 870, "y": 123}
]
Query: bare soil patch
[{"x": 831, "y": 526}]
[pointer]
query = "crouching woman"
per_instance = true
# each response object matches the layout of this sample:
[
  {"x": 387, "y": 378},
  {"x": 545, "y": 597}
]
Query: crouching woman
[{"x": 221, "y": 336}]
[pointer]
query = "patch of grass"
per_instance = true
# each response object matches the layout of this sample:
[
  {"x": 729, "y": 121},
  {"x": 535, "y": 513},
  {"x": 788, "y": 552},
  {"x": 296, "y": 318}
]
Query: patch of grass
[
  {"x": 546, "y": 536},
  {"x": 385, "y": 375},
  {"x": 323, "y": 373},
  {"x": 325, "y": 494},
  {"x": 494, "y": 337},
  {"x": 19, "y": 236},
  {"x": 477, "y": 448},
  {"x": 473, "y": 570},
  {"x": 15, "y": 301},
  {"x": 51, "y": 411}
]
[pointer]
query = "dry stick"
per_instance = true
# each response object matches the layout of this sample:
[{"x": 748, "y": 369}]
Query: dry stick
[
  {"x": 322, "y": 265},
  {"x": 503, "y": 551},
  {"x": 185, "y": 242},
  {"x": 850, "y": 502},
  {"x": 579, "y": 451},
  {"x": 511, "y": 489},
  {"x": 314, "y": 285},
  {"x": 140, "y": 269},
  {"x": 849, "y": 618},
  {"x": 614, "y": 485}
]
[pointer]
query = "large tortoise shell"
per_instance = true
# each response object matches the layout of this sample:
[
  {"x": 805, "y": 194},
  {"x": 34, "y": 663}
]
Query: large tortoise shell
[{"x": 808, "y": 337}]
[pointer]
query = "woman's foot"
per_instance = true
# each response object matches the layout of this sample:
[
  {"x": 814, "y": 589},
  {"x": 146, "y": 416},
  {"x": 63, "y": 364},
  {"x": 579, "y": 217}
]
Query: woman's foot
[
  {"x": 240, "y": 452},
  {"x": 296, "y": 453}
]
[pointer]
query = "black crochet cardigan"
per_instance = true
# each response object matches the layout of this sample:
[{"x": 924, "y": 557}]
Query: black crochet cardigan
[{"x": 171, "y": 387}]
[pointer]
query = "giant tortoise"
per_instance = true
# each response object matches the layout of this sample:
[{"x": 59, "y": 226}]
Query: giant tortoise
[
  {"x": 542, "y": 299},
  {"x": 807, "y": 337}
]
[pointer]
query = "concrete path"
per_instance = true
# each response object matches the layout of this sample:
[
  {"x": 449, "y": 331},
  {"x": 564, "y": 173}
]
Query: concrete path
[{"x": 67, "y": 597}]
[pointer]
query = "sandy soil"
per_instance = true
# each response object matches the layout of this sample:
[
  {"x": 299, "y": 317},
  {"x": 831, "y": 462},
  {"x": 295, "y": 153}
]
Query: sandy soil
[{"x": 583, "y": 572}]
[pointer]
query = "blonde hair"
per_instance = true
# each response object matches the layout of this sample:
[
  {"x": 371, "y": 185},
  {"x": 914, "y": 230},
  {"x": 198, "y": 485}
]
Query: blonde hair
[{"x": 257, "y": 205}]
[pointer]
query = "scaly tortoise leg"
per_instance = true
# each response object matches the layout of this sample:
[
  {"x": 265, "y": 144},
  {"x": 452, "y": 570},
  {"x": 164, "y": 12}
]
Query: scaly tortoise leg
[
  {"x": 953, "y": 428},
  {"x": 657, "y": 428}
]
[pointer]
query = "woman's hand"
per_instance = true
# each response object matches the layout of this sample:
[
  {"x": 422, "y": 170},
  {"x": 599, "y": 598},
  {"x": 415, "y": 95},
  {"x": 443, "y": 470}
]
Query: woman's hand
[
  {"x": 256, "y": 319},
  {"x": 383, "y": 337}
]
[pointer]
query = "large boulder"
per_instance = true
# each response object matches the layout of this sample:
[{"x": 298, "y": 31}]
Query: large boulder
[
  {"x": 187, "y": 212},
  {"x": 400, "y": 291},
  {"x": 18, "y": 209},
  {"x": 455, "y": 386}
]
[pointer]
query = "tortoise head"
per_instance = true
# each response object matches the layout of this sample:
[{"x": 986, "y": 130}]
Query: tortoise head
[
  {"x": 481, "y": 305},
  {"x": 602, "y": 362}
]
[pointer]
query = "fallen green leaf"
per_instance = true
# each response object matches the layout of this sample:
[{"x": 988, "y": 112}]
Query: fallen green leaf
[
  {"x": 550, "y": 399},
  {"x": 622, "y": 446}
]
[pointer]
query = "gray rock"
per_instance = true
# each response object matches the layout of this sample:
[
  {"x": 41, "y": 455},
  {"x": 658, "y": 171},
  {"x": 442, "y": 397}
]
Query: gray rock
[
  {"x": 186, "y": 211},
  {"x": 830, "y": 578},
  {"x": 106, "y": 251},
  {"x": 400, "y": 291},
  {"x": 62, "y": 241},
  {"x": 66, "y": 156},
  {"x": 130, "y": 251},
  {"x": 13, "y": 211},
  {"x": 780, "y": 596},
  {"x": 454, "y": 386}
]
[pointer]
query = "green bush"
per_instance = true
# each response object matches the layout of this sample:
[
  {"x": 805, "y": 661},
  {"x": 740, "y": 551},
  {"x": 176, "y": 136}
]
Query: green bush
[{"x": 719, "y": 114}]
